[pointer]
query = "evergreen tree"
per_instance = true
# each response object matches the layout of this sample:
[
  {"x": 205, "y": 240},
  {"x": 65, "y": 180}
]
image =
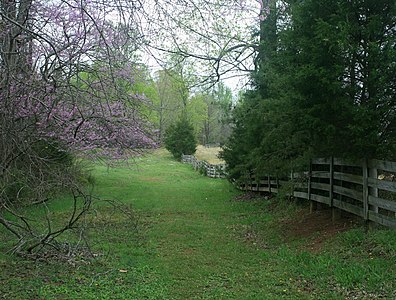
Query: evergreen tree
[
  {"x": 324, "y": 86},
  {"x": 340, "y": 55},
  {"x": 180, "y": 138}
]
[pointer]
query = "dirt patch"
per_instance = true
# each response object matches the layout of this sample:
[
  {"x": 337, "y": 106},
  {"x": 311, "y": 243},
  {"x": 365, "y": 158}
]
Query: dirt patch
[
  {"x": 250, "y": 196},
  {"x": 317, "y": 228},
  {"x": 188, "y": 251}
]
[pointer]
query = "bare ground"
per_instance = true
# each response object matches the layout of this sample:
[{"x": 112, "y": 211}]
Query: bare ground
[{"x": 316, "y": 227}]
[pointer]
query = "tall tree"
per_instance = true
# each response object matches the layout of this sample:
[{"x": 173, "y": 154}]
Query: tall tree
[
  {"x": 63, "y": 73},
  {"x": 216, "y": 127},
  {"x": 173, "y": 95},
  {"x": 342, "y": 54},
  {"x": 324, "y": 85}
]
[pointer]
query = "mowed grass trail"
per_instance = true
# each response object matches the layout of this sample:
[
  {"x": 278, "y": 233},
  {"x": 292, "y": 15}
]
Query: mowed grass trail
[
  {"x": 193, "y": 240},
  {"x": 194, "y": 243}
]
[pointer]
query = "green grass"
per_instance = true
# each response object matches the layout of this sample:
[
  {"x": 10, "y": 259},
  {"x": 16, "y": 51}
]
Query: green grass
[{"x": 194, "y": 242}]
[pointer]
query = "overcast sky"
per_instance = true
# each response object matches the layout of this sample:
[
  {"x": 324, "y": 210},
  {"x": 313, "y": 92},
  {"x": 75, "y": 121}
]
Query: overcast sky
[{"x": 196, "y": 27}]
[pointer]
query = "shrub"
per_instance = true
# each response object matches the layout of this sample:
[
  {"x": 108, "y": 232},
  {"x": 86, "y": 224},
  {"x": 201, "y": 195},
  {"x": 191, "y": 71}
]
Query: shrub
[{"x": 180, "y": 139}]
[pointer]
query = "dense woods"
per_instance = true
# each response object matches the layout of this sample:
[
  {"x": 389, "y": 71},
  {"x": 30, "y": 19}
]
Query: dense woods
[{"x": 324, "y": 86}]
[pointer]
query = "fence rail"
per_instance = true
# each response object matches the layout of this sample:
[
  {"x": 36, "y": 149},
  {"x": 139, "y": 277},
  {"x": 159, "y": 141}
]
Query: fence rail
[
  {"x": 210, "y": 170},
  {"x": 366, "y": 189}
]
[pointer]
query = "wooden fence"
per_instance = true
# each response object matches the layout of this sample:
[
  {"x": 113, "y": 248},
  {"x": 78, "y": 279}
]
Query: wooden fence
[
  {"x": 366, "y": 189},
  {"x": 210, "y": 170}
]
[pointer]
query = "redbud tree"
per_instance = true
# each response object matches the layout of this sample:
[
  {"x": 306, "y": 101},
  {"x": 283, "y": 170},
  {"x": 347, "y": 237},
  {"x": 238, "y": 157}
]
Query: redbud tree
[{"x": 65, "y": 89}]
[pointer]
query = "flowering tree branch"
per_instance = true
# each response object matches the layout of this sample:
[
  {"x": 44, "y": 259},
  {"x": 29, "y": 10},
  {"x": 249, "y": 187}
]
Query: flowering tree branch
[{"x": 66, "y": 81}]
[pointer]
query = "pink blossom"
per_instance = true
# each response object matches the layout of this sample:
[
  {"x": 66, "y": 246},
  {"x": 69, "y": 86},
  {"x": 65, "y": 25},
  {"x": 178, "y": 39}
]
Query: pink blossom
[{"x": 76, "y": 88}]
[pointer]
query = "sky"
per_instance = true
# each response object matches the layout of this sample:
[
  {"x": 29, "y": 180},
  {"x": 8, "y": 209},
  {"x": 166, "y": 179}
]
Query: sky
[{"x": 202, "y": 32}]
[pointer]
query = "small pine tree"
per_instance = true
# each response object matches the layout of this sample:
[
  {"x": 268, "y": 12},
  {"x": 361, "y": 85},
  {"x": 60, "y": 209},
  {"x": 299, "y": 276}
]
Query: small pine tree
[{"x": 180, "y": 139}]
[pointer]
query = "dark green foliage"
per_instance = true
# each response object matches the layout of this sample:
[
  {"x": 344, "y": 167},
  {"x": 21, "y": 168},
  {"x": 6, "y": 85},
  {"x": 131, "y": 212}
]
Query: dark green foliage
[
  {"x": 180, "y": 138},
  {"x": 343, "y": 73},
  {"x": 324, "y": 86}
]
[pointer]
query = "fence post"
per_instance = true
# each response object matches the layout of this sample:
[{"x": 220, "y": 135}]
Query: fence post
[
  {"x": 373, "y": 173},
  {"x": 245, "y": 181},
  {"x": 291, "y": 180},
  {"x": 372, "y": 191},
  {"x": 258, "y": 182},
  {"x": 335, "y": 212},
  {"x": 277, "y": 183},
  {"x": 312, "y": 204},
  {"x": 365, "y": 191},
  {"x": 269, "y": 184}
]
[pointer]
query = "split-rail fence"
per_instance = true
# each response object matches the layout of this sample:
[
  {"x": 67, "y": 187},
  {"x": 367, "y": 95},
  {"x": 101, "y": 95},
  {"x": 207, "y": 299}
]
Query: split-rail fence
[
  {"x": 366, "y": 189},
  {"x": 210, "y": 170}
]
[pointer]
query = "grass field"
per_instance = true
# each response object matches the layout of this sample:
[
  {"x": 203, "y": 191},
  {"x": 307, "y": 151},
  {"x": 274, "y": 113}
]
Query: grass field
[
  {"x": 209, "y": 154},
  {"x": 196, "y": 240}
]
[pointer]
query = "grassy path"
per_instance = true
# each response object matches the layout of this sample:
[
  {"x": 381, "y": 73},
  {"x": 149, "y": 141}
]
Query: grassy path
[
  {"x": 195, "y": 242},
  {"x": 194, "y": 235}
]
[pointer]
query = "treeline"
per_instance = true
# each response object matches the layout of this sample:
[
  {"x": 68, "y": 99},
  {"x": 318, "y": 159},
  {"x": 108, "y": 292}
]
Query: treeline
[
  {"x": 173, "y": 96},
  {"x": 324, "y": 85}
]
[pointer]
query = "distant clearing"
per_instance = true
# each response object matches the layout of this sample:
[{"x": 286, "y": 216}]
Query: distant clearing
[{"x": 209, "y": 154}]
